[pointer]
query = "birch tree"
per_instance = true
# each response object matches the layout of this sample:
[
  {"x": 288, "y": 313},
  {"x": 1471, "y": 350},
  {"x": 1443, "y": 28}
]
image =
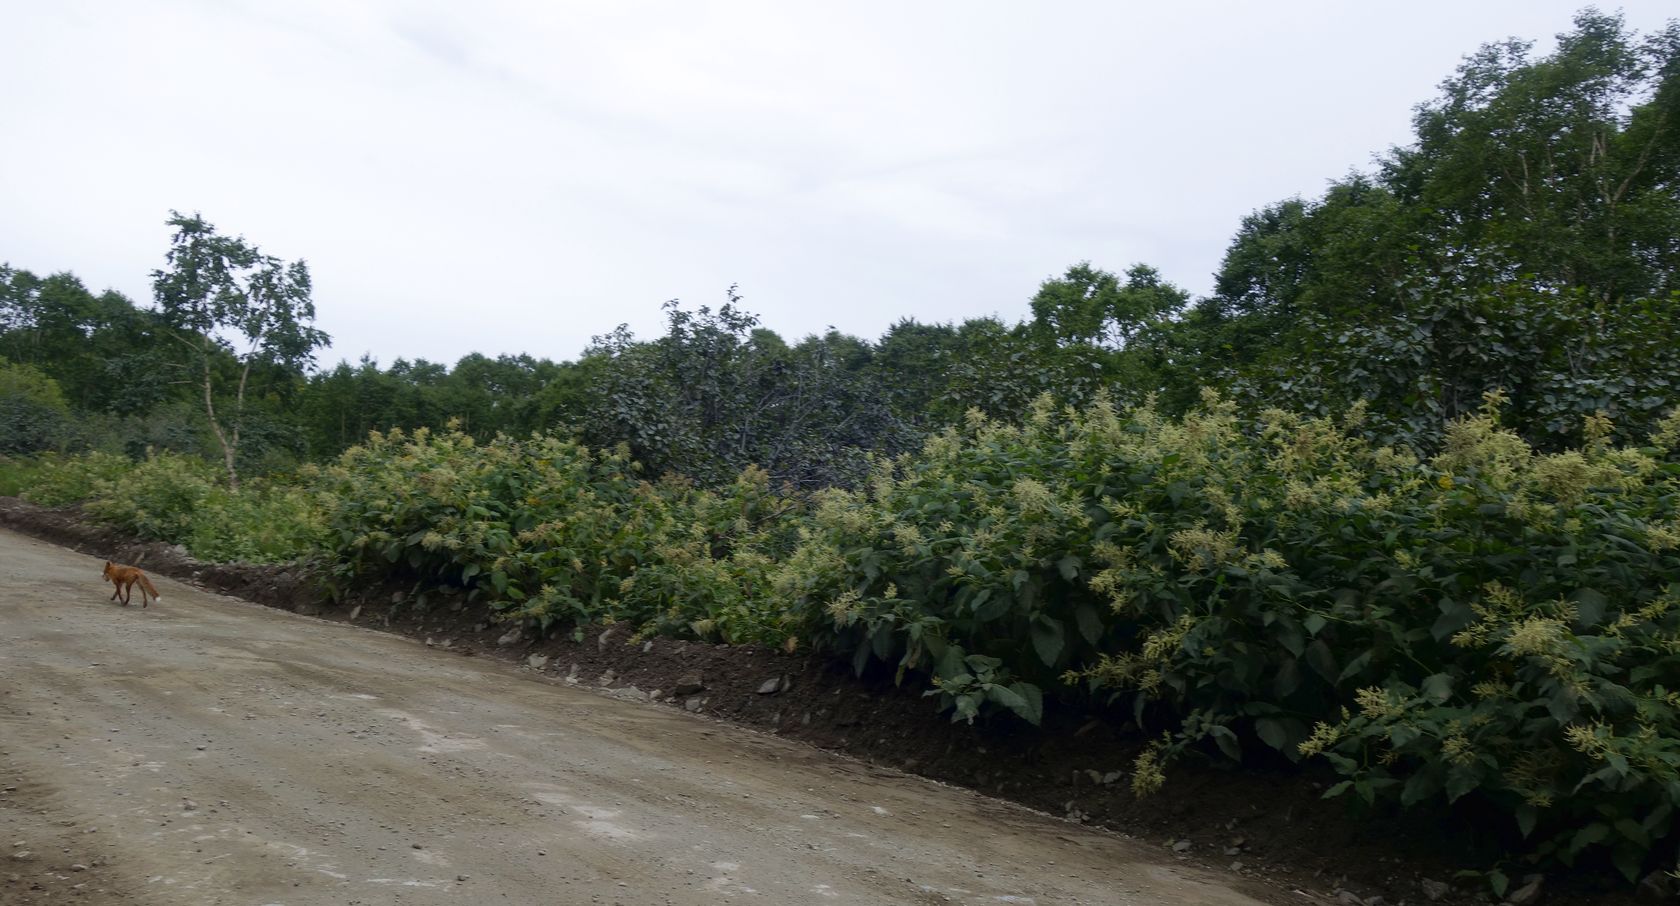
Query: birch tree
[{"x": 222, "y": 298}]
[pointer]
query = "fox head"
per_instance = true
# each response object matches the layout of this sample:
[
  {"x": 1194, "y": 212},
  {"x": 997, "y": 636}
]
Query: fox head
[{"x": 108, "y": 567}]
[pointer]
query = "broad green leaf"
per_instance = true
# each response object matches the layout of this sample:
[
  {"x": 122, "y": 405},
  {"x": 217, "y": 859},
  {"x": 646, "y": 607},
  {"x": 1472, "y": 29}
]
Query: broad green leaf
[
  {"x": 1634, "y": 831},
  {"x": 991, "y": 607},
  {"x": 951, "y": 662},
  {"x": 1007, "y": 697},
  {"x": 1438, "y": 688},
  {"x": 1288, "y": 634},
  {"x": 1590, "y": 605},
  {"x": 1526, "y": 815},
  {"x": 1355, "y": 666},
  {"x": 1455, "y": 615},
  {"x": 1594, "y": 833},
  {"x": 1287, "y": 680},
  {"x": 1048, "y": 639},
  {"x": 1459, "y": 782},
  {"x": 1321, "y": 660},
  {"x": 1420, "y": 787},
  {"x": 1025, "y": 699},
  {"x": 1089, "y": 623},
  {"x": 1227, "y": 742},
  {"x": 1338, "y": 789},
  {"x": 883, "y": 639}
]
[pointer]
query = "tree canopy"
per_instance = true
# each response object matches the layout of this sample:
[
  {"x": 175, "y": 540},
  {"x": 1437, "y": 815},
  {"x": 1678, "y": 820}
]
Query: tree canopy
[
  {"x": 1526, "y": 240},
  {"x": 221, "y": 296}
]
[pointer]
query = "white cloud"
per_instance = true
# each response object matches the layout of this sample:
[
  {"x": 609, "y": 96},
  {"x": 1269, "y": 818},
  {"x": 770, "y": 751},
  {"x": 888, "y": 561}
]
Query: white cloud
[{"x": 517, "y": 176}]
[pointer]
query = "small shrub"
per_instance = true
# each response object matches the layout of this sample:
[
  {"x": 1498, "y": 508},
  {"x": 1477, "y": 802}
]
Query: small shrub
[
  {"x": 55, "y": 480},
  {"x": 551, "y": 531},
  {"x": 157, "y": 499},
  {"x": 34, "y": 417},
  {"x": 260, "y": 523},
  {"x": 16, "y": 473},
  {"x": 179, "y": 499},
  {"x": 1494, "y": 622}
]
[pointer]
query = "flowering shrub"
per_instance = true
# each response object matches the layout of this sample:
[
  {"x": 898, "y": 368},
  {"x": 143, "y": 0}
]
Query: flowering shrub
[
  {"x": 555, "y": 532},
  {"x": 158, "y": 499},
  {"x": 1549, "y": 681},
  {"x": 262, "y": 522},
  {"x": 178, "y": 499},
  {"x": 1491, "y": 621},
  {"x": 54, "y": 480}
]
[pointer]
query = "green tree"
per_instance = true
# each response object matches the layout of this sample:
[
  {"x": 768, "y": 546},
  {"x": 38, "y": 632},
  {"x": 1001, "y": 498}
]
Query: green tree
[
  {"x": 718, "y": 393},
  {"x": 1559, "y": 170},
  {"x": 1092, "y": 306},
  {"x": 1344, "y": 253},
  {"x": 913, "y": 364},
  {"x": 94, "y": 346},
  {"x": 33, "y": 414},
  {"x": 496, "y": 396},
  {"x": 1000, "y": 370},
  {"x": 221, "y": 296},
  {"x": 1528, "y": 239}
]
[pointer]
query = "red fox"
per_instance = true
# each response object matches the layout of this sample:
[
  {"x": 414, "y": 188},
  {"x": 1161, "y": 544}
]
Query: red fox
[{"x": 125, "y": 578}]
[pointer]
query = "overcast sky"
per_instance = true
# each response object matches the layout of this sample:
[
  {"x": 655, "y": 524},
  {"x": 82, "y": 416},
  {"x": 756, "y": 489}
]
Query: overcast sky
[{"x": 511, "y": 176}]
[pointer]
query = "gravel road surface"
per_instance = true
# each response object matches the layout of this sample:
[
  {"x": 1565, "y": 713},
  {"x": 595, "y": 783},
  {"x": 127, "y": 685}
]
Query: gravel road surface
[{"x": 210, "y": 751}]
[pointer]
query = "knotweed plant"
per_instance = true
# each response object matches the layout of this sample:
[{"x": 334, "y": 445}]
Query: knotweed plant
[
  {"x": 1490, "y": 621},
  {"x": 1489, "y": 624},
  {"x": 555, "y": 533}
]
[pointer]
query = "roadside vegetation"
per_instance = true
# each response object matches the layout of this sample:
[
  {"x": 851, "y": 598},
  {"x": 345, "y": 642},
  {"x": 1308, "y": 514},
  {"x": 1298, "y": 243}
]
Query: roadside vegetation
[{"x": 1401, "y": 497}]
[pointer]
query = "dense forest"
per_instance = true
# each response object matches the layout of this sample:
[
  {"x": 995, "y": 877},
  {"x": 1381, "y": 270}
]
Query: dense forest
[{"x": 1402, "y": 494}]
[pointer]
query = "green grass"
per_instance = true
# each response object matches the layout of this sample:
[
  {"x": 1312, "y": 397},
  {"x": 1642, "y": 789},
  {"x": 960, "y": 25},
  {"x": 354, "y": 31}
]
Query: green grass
[{"x": 15, "y": 475}]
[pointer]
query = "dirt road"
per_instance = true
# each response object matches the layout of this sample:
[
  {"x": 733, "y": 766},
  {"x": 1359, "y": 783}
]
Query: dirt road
[{"x": 207, "y": 750}]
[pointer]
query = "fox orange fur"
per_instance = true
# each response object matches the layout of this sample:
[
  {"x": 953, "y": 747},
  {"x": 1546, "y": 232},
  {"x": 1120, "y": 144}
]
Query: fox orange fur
[{"x": 125, "y": 578}]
